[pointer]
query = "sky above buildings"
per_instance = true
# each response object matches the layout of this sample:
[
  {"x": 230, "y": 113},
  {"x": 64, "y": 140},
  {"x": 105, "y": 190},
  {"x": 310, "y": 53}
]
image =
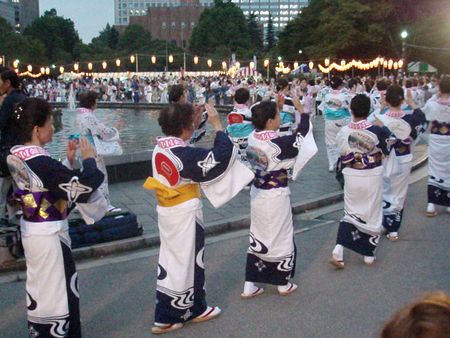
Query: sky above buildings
[{"x": 89, "y": 16}]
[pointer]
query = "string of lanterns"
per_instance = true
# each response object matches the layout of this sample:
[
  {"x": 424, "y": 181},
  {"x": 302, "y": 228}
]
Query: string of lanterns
[
  {"x": 229, "y": 69},
  {"x": 345, "y": 66}
]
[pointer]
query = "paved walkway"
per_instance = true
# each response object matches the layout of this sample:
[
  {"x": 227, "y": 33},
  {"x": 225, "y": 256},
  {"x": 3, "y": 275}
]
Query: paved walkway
[{"x": 314, "y": 182}]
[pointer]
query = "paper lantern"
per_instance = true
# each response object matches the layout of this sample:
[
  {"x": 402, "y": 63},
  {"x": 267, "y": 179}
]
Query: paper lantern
[
  {"x": 252, "y": 65},
  {"x": 342, "y": 63},
  {"x": 395, "y": 65},
  {"x": 76, "y": 67},
  {"x": 16, "y": 63},
  {"x": 400, "y": 64},
  {"x": 47, "y": 71},
  {"x": 295, "y": 64},
  {"x": 196, "y": 59},
  {"x": 170, "y": 58},
  {"x": 385, "y": 64},
  {"x": 118, "y": 62},
  {"x": 132, "y": 58},
  {"x": 266, "y": 63},
  {"x": 90, "y": 66},
  {"x": 61, "y": 69},
  {"x": 224, "y": 65},
  {"x": 238, "y": 65},
  {"x": 327, "y": 62},
  {"x": 104, "y": 64},
  {"x": 209, "y": 62},
  {"x": 42, "y": 70},
  {"x": 30, "y": 68},
  {"x": 311, "y": 65},
  {"x": 153, "y": 59}
]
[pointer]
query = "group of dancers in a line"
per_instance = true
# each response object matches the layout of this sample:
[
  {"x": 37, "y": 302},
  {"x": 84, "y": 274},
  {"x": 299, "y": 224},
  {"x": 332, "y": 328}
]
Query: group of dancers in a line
[{"x": 266, "y": 144}]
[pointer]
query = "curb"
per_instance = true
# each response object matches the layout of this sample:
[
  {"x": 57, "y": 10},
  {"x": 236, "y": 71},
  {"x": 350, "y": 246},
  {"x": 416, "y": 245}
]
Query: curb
[{"x": 214, "y": 228}]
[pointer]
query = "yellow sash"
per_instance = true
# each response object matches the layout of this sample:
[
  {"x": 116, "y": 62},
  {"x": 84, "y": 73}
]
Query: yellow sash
[{"x": 168, "y": 197}]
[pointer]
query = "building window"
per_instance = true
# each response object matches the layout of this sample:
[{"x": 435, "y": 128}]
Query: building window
[
  {"x": 164, "y": 25},
  {"x": 174, "y": 24}
]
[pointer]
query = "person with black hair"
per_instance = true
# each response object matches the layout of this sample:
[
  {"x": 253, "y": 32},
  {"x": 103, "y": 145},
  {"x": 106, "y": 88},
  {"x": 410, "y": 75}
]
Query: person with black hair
[
  {"x": 362, "y": 147},
  {"x": 240, "y": 122},
  {"x": 406, "y": 128},
  {"x": 335, "y": 110},
  {"x": 46, "y": 192},
  {"x": 271, "y": 256},
  {"x": 177, "y": 94},
  {"x": 377, "y": 95},
  {"x": 11, "y": 91},
  {"x": 290, "y": 108},
  {"x": 437, "y": 113},
  {"x": 100, "y": 135},
  {"x": 179, "y": 171}
]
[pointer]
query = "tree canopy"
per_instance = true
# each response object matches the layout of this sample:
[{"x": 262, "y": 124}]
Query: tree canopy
[
  {"x": 17, "y": 46},
  {"x": 364, "y": 29},
  {"x": 222, "y": 28}
]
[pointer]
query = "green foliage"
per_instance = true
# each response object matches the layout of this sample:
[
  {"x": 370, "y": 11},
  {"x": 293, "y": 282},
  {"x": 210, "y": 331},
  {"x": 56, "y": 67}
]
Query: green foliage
[
  {"x": 57, "y": 34},
  {"x": 256, "y": 34},
  {"x": 15, "y": 46},
  {"x": 135, "y": 39},
  {"x": 364, "y": 29},
  {"x": 109, "y": 37},
  {"x": 270, "y": 34},
  {"x": 223, "y": 25}
]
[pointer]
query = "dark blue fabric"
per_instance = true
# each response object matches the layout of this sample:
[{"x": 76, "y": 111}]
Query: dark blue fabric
[
  {"x": 56, "y": 177},
  {"x": 290, "y": 144},
  {"x": 350, "y": 237},
  {"x": 8, "y": 134},
  {"x": 391, "y": 220},
  {"x": 165, "y": 312},
  {"x": 438, "y": 196},
  {"x": 203, "y": 165},
  {"x": 384, "y": 136}
]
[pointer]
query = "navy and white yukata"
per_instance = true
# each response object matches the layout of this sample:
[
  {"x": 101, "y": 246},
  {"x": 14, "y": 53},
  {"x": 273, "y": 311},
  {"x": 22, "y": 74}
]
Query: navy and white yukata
[
  {"x": 437, "y": 113},
  {"x": 362, "y": 147},
  {"x": 271, "y": 255},
  {"x": 397, "y": 168},
  {"x": 179, "y": 171},
  {"x": 46, "y": 192}
]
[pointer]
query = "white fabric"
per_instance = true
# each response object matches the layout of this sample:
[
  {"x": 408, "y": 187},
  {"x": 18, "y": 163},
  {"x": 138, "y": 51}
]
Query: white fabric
[
  {"x": 307, "y": 150},
  {"x": 271, "y": 221},
  {"x": 332, "y": 128},
  {"x": 46, "y": 281},
  {"x": 396, "y": 187},
  {"x": 363, "y": 195},
  {"x": 177, "y": 250},
  {"x": 222, "y": 190},
  {"x": 42, "y": 228}
]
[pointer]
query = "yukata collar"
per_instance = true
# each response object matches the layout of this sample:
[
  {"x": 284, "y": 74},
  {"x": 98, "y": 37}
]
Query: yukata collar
[
  {"x": 167, "y": 142},
  {"x": 28, "y": 152},
  {"x": 364, "y": 124}
]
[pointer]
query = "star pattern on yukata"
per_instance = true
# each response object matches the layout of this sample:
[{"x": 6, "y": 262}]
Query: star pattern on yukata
[
  {"x": 74, "y": 189},
  {"x": 208, "y": 163},
  {"x": 186, "y": 315},
  {"x": 356, "y": 235},
  {"x": 437, "y": 193},
  {"x": 260, "y": 265}
]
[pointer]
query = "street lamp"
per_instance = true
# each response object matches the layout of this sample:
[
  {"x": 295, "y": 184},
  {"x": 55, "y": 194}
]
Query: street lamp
[
  {"x": 280, "y": 58},
  {"x": 404, "y": 35},
  {"x": 300, "y": 51}
]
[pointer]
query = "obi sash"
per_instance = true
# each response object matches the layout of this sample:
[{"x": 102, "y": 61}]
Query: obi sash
[
  {"x": 41, "y": 206},
  {"x": 361, "y": 161},
  {"x": 170, "y": 197},
  {"x": 271, "y": 180},
  {"x": 440, "y": 128},
  {"x": 403, "y": 147}
]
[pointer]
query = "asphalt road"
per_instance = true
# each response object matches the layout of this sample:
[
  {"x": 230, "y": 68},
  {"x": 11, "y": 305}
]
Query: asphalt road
[{"x": 118, "y": 293}]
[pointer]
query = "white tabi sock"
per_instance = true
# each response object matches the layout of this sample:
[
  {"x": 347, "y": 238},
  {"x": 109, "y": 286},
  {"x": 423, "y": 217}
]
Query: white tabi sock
[
  {"x": 338, "y": 252},
  {"x": 430, "y": 207},
  {"x": 249, "y": 288},
  {"x": 284, "y": 288}
]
